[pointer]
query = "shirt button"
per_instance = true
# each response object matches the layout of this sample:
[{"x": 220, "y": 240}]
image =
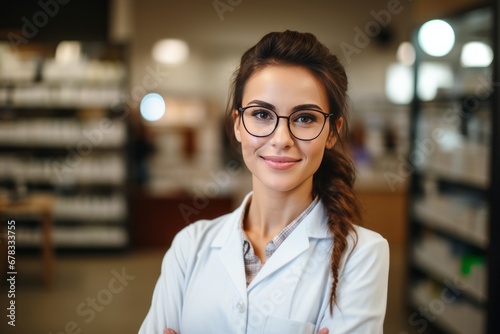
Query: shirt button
[{"x": 240, "y": 307}]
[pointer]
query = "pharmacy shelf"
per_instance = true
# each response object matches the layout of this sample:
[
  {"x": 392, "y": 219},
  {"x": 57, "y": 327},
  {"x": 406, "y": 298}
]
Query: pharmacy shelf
[
  {"x": 60, "y": 132},
  {"x": 453, "y": 212},
  {"x": 480, "y": 180},
  {"x": 439, "y": 272},
  {"x": 63, "y": 96},
  {"x": 67, "y": 170},
  {"x": 448, "y": 316},
  {"x": 75, "y": 237},
  {"x": 455, "y": 226},
  {"x": 90, "y": 208}
]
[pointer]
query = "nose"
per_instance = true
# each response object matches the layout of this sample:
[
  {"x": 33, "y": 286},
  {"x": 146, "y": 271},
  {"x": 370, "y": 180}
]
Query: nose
[{"x": 281, "y": 136}]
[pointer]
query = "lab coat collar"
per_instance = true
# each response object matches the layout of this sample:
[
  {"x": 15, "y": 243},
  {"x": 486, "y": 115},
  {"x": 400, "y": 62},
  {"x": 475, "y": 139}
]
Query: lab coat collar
[
  {"x": 229, "y": 241},
  {"x": 231, "y": 224},
  {"x": 314, "y": 222}
]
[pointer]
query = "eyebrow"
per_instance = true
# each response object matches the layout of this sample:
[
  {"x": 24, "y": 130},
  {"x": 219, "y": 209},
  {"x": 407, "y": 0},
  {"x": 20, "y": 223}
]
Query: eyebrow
[{"x": 296, "y": 108}]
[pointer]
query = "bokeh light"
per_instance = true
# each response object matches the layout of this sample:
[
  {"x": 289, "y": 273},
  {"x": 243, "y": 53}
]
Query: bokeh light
[
  {"x": 152, "y": 107},
  {"x": 170, "y": 51},
  {"x": 436, "y": 37},
  {"x": 476, "y": 54}
]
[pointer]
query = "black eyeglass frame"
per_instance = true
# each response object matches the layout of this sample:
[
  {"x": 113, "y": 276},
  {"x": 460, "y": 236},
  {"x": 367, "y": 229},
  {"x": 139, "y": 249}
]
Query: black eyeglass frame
[{"x": 241, "y": 110}]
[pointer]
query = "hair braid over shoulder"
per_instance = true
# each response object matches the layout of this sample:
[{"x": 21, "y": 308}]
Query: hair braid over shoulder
[{"x": 333, "y": 184}]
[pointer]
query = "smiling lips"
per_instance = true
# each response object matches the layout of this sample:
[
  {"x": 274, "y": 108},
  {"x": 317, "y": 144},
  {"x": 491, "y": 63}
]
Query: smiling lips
[{"x": 279, "y": 162}]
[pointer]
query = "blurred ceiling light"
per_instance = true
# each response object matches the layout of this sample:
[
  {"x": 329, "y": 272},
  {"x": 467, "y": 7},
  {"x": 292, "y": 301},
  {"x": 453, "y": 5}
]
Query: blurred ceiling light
[
  {"x": 476, "y": 54},
  {"x": 436, "y": 37},
  {"x": 152, "y": 107},
  {"x": 399, "y": 84},
  {"x": 68, "y": 52},
  {"x": 406, "y": 53},
  {"x": 170, "y": 51},
  {"x": 432, "y": 77}
]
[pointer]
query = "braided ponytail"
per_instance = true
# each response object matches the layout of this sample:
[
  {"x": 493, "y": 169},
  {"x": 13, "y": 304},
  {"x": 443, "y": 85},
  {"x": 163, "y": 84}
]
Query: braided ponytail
[{"x": 333, "y": 183}]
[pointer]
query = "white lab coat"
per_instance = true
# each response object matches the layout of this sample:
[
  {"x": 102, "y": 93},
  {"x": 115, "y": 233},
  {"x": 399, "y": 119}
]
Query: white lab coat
[{"x": 202, "y": 287}]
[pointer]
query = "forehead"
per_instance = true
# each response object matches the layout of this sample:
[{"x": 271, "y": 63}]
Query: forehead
[{"x": 285, "y": 86}]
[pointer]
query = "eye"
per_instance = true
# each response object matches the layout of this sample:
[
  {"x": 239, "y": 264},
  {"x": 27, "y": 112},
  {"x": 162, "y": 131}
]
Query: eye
[
  {"x": 262, "y": 114},
  {"x": 305, "y": 118}
]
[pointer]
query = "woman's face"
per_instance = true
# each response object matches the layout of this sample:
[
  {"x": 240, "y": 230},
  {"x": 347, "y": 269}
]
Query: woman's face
[{"x": 281, "y": 162}]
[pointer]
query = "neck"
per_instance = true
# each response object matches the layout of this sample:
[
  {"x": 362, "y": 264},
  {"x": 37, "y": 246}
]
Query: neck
[{"x": 271, "y": 211}]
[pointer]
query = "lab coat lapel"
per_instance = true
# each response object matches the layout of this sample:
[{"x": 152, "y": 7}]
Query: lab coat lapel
[
  {"x": 230, "y": 248},
  {"x": 292, "y": 247},
  {"x": 313, "y": 227}
]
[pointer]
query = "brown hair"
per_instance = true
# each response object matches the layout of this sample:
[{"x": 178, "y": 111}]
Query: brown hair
[{"x": 333, "y": 181}]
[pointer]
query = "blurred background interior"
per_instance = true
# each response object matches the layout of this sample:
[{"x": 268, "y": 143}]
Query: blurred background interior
[{"x": 112, "y": 140}]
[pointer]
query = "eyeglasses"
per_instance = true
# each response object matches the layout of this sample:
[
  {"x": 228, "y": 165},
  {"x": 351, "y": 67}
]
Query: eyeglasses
[{"x": 303, "y": 124}]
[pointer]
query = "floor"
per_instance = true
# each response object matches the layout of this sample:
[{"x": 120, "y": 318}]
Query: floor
[{"x": 111, "y": 294}]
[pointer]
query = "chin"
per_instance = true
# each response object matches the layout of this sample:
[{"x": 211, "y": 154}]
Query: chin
[{"x": 282, "y": 183}]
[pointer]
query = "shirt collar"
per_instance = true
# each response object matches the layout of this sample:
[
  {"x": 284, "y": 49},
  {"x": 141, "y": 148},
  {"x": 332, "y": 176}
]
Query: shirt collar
[
  {"x": 315, "y": 221},
  {"x": 287, "y": 230}
]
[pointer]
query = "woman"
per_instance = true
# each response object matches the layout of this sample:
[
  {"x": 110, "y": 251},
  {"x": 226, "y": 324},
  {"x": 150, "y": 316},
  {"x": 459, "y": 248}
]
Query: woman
[{"x": 291, "y": 258}]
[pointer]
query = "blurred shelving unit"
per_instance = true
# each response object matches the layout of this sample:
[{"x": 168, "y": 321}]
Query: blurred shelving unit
[
  {"x": 62, "y": 133},
  {"x": 452, "y": 204}
]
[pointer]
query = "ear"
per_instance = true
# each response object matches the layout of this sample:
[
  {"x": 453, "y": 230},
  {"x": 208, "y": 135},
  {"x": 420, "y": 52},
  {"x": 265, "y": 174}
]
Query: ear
[
  {"x": 237, "y": 125},
  {"x": 332, "y": 137}
]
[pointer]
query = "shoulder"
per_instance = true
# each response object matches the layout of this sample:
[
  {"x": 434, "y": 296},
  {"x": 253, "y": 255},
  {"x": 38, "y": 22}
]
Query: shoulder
[
  {"x": 203, "y": 231},
  {"x": 369, "y": 241},
  {"x": 193, "y": 239},
  {"x": 367, "y": 249},
  {"x": 366, "y": 237}
]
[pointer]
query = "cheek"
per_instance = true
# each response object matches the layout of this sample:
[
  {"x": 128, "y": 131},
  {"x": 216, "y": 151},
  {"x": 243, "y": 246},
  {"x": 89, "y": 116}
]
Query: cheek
[
  {"x": 315, "y": 153},
  {"x": 250, "y": 144},
  {"x": 318, "y": 157}
]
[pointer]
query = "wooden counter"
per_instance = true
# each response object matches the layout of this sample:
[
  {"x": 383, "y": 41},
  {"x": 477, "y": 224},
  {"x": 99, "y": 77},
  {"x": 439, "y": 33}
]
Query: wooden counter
[{"x": 37, "y": 204}]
